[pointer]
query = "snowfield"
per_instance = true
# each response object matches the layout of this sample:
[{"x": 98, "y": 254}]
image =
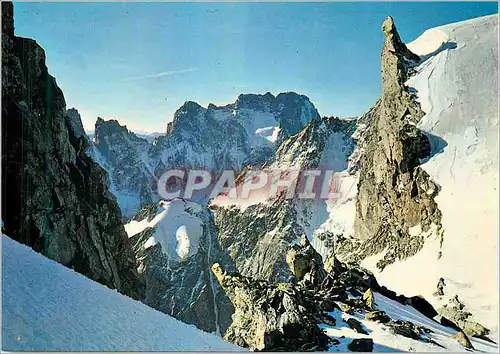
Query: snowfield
[
  {"x": 457, "y": 87},
  {"x": 48, "y": 307},
  {"x": 385, "y": 341}
]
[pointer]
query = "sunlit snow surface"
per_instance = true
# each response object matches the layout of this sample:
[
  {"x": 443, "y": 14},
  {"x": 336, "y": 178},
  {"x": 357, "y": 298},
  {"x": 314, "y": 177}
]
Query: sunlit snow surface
[
  {"x": 48, "y": 307},
  {"x": 178, "y": 230},
  {"x": 385, "y": 341},
  {"x": 457, "y": 87}
]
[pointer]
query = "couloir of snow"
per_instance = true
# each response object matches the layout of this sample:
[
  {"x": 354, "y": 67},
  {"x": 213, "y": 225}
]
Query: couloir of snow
[
  {"x": 457, "y": 87},
  {"x": 177, "y": 229},
  {"x": 48, "y": 307},
  {"x": 385, "y": 341}
]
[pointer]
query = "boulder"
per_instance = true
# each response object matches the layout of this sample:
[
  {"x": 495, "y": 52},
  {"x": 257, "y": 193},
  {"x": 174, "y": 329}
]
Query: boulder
[
  {"x": 369, "y": 299},
  {"x": 377, "y": 316},
  {"x": 407, "y": 329},
  {"x": 356, "y": 325},
  {"x": 422, "y": 305},
  {"x": 361, "y": 345}
]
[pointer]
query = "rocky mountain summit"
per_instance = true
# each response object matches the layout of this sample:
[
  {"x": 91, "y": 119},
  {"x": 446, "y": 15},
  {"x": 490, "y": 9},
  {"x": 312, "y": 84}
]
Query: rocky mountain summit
[
  {"x": 124, "y": 156},
  {"x": 55, "y": 197},
  {"x": 244, "y": 133}
]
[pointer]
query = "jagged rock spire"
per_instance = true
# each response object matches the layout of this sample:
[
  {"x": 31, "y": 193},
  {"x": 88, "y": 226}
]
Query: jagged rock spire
[
  {"x": 393, "y": 40},
  {"x": 396, "y": 58},
  {"x": 394, "y": 194}
]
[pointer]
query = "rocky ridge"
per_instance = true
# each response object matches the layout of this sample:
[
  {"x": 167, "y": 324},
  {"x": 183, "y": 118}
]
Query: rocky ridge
[
  {"x": 55, "y": 197},
  {"x": 292, "y": 316},
  {"x": 182, "y": 287}
]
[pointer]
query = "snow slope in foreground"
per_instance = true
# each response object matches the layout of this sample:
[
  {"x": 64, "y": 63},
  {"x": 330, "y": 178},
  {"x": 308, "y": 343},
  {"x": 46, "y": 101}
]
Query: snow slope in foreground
[
  {"x": 47, "y": 307},
  {"x": 457, "y": 87},
  {"x": 385, "y": 341}
]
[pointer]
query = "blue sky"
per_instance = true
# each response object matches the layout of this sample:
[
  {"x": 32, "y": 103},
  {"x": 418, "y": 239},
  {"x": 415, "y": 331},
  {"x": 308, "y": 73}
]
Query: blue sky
[{"x": 138, "y": 62}]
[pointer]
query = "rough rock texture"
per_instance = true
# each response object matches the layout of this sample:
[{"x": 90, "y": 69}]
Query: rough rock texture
[
  {"x": 305, "y": 263},
  {"x": 185, "y": 289},
  {"x": 407, "y": 329},
  {"x": 284, "y": 316},
  {"x": 76, "y": 122},
  {"x": 456, "y": 312},
  {"x": 377, "y": 316},
  {"x": 394, "y": 193},
  {"x": 271, "y": 318},
  {"x": 55, "y": 197},
  {"x": 258, "y": 236},
  {"x": 356, "y": 325},
  {"x": 124, "y": 155}
]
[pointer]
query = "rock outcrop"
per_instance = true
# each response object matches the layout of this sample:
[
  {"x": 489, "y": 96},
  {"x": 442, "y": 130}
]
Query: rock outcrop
[
  {"x": 455, "y": 311},
  {"x": 55, "y": 197},
  {"x": 258, "y": 238},
  {"x": 305, "y": 263},
  {"x": 271, "y": 317},
  {"x": 290, "y": 316},
  {"x": 394, "y": 193},
  {"x": 361, "y": 345}
]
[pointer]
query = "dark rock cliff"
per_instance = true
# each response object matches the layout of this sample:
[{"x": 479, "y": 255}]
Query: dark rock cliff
[{"x": 55, "y": 197}]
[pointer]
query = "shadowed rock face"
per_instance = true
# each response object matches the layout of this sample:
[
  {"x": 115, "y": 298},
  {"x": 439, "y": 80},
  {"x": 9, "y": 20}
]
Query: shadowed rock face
[
  {"x": 185, "y": 289},
  {"x": 394, "y": 193},
  {"x": 55, "y": 197}
]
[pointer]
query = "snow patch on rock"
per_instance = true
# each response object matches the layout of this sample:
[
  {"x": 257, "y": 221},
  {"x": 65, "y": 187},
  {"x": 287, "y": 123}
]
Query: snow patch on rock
[{"x": 177, "y": 229}]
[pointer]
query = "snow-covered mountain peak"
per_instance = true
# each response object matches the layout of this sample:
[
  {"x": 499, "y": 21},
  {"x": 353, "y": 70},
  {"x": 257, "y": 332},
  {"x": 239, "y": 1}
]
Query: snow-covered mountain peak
[{"x": 246, "y": 132}]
